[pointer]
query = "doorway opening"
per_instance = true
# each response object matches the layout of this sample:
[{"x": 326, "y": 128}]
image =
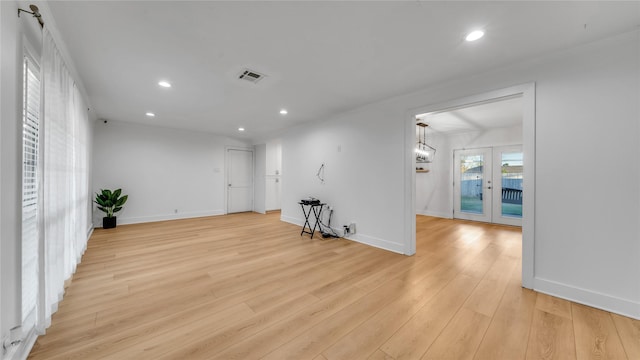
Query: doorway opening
[{"x": 505, "y": 150}]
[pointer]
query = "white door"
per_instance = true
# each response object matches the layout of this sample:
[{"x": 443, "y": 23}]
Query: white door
[
  {"x": 472, "y": 185},
  {"x": 239, "y": 180},
  {"x": 507, "y": 180},
  {"x": 488, "y": 185}
]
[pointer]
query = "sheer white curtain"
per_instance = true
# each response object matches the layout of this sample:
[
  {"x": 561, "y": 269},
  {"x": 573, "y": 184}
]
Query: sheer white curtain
[{"x": 64, "y": 180}]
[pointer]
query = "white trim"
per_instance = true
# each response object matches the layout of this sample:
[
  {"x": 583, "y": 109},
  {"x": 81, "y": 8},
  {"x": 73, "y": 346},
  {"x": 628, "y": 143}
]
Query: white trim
[
  {"x": 154, "y": 218},
  {"x": 360, "y": 238},
  {"x": 21, "y": 352},
  {"x": 439, "y": 214},
  {"x": 379, "y": 243},
  {"x": 291, "y": 220},
  {"x": 528, "y": 146},
  {"x": 410, "y": 184},
  {"x": 594, "y": 299}
]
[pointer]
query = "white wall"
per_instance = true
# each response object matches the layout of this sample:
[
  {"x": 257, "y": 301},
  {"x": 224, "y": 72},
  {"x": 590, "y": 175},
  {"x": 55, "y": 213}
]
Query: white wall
[
  {"x": 362, "y": 152},
  {"x": 434, "y": 192},
  {"x": 161, "y": 170},
  {"x": 587, "y": 233}
]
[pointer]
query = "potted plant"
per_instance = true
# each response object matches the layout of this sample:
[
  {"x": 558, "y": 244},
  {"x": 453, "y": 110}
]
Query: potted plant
[{"x": 110, "y": 202}]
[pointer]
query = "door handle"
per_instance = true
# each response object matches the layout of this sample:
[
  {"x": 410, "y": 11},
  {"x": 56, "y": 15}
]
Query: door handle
[{"x": 229, "y": 185}]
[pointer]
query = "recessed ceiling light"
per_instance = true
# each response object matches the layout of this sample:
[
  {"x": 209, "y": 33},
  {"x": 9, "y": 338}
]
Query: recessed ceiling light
[
  {"x": 474, "y": 35},
  {"x": 240, "y": 129},
  {"x": 164, "y": 84},
  {"x": 283, "y": 112},
  {"x": 150, "y": 114}
]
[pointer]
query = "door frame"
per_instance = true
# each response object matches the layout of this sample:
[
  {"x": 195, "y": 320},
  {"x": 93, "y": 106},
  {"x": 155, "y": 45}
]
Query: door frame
[
  {"x": 226, "y": 174},
  {"x": 527, "y": 91}
]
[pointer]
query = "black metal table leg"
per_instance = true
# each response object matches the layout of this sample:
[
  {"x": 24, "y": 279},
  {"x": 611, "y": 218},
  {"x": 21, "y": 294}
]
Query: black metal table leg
[
  {"x": 317, "y": 210},
  {"x": 306, "y": 219}
]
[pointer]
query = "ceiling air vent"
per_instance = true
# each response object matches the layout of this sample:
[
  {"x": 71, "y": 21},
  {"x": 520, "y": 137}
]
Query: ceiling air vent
[{"x": 251, "y": 76}]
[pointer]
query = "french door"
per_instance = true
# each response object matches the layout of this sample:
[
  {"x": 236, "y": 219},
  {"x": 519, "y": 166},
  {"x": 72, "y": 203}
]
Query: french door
[{"x": 488, "y": 185}]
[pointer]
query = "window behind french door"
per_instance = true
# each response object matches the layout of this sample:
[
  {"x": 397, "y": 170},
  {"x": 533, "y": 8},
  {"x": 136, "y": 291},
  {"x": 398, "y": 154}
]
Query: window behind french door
[
  {"x": 488, "y": 185},
  {"x": 30, "y": 175}
]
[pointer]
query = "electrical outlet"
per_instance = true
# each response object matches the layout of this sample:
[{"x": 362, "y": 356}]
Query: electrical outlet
[
  {"x": 175, "y": 211},
  {"x": 352, "y": 228}
]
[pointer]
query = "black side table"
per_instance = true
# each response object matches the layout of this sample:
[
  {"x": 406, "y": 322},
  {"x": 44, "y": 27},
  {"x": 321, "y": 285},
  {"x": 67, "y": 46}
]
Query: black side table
[{"x": 317, "y": 210}]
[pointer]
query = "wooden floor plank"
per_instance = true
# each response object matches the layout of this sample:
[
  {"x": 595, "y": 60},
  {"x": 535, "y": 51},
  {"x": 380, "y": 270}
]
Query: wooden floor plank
[
  {"x": 380, "y": 355},
  {"x": 248, "y": 286},
  {"x": 510, "y": 326},
  {"x": 629, "y": 332},
  {"x": 268, "y": 340},
  {"x": 365, "y": 339},
  {"x": 461, "y": 338},
  {"x": 596, "y": 335},
  {"x": 311, "y": 342},
  {"x": 554, "y": 305},
  {"x": 551, "y": 337}
]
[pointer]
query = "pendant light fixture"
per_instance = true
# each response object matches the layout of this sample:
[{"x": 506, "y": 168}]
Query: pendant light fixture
[{"x": 424, "y": 152}]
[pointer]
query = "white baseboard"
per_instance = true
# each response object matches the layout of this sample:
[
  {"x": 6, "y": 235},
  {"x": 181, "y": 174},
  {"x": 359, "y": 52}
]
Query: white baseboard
[
  {"x": 22, "y": 350},
  {"x": 377, "y": 242},
  {"x": 154, "y": 218},
  {"x": 361, "y": 238},
  {"x": 292, "y": 220},
  {"x": 440, "y": 214},
  {"x": 594, "y": 299}
]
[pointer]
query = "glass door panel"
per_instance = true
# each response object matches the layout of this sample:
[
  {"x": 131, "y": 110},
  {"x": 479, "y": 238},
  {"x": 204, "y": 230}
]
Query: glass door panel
[
  {"x": 508, "y": 173},
  {"x": 472, "y": 185}
]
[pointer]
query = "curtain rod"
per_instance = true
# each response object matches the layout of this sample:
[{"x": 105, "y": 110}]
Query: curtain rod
[{"x": 35, "y": 12}]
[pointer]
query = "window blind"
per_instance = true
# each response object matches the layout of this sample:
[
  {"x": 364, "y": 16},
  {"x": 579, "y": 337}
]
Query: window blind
[{"x": 30, "y": 160}]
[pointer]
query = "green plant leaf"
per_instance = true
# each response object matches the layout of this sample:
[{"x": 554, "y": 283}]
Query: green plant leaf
[
  {"x": 122, "y": 200},
  {"x": 110, "y": 201}
]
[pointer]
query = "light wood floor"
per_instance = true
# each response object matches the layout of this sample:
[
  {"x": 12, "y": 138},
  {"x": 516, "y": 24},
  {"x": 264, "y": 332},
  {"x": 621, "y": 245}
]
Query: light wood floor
[{"x": 247, "y": 286}]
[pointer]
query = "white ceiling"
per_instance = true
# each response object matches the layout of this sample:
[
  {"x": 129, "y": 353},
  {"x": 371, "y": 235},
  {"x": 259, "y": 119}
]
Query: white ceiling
[
  {"x": 489, "y": 115},
  {"x": 321, "y": 57}
]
